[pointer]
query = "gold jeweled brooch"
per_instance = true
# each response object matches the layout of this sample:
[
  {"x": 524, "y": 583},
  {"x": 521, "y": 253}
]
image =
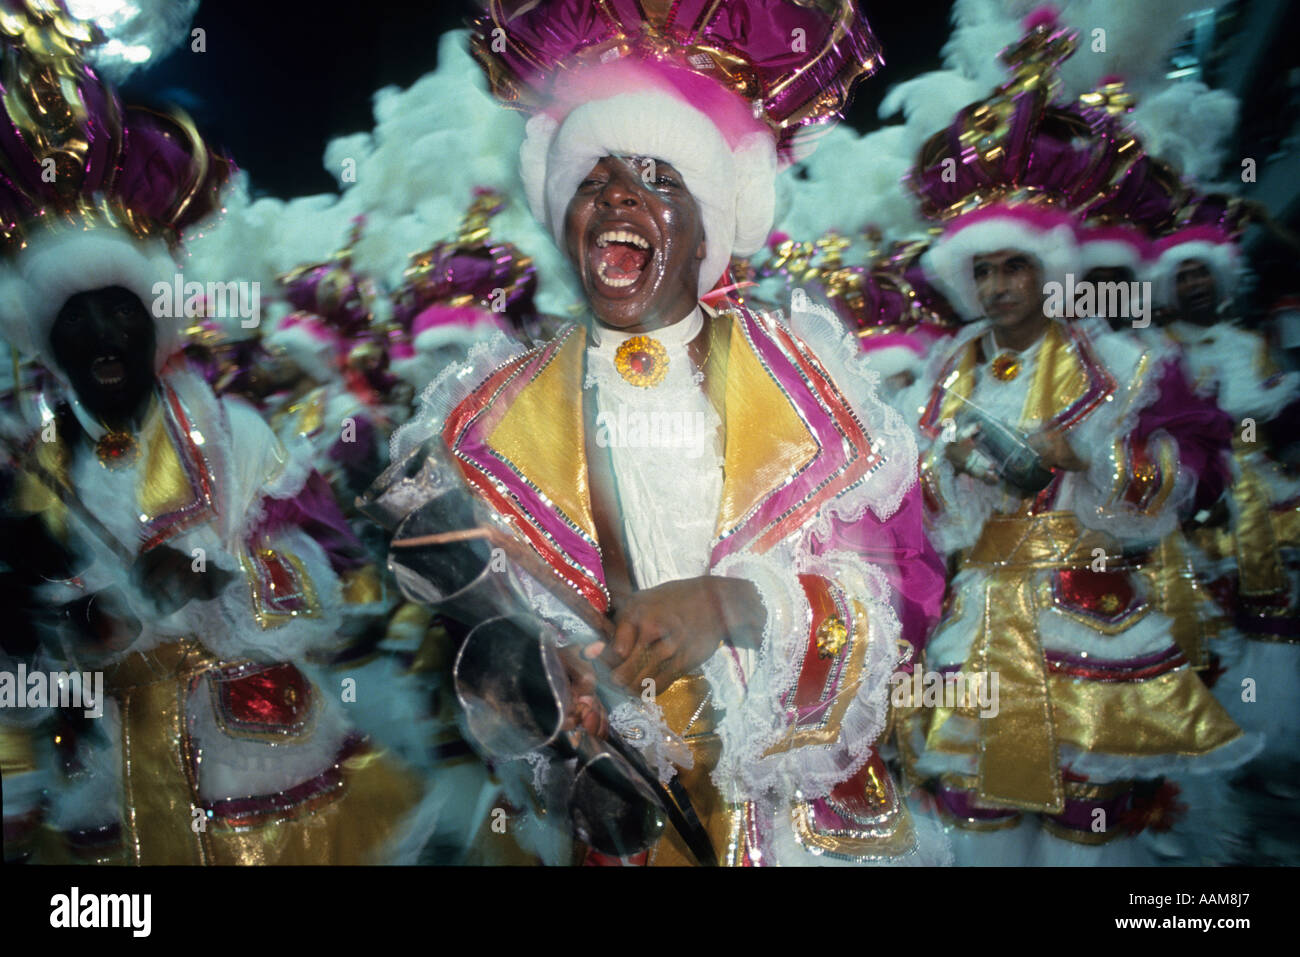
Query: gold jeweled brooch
[
  {"x": 642, "y": 361},
  {"x": 1006, "y": 367},
  {"x": 116, "y": 450},
  {"x": 832, "y": 635}
]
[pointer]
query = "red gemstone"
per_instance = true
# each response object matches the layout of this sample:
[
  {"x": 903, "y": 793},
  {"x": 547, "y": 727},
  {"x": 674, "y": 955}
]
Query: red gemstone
[
  {"x": 641, "y": 362},
  {"x": 116, "y": 446}
]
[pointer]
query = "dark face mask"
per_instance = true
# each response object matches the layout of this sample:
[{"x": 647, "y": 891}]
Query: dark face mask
[{"x": 104, "y": 342}]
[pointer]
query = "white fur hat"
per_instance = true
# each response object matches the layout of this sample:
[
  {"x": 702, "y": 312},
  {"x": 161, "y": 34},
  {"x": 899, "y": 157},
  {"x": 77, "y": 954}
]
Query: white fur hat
[
  {"x": 60, "y": 263},
  {"x": 735, "y": 187},
  {"x": 311, "y": 343},
  {"x": 1112, "y": 247},
  {"x": 1204, "y": 244}
]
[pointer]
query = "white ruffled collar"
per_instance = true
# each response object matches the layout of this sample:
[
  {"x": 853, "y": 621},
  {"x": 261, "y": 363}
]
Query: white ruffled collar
[
  {"x": 674, "y": 338},
  {"x": 682, "y": 377},
  {"x": 992, "y": 350}
]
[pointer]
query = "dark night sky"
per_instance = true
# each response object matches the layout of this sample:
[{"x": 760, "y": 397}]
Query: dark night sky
[{"x": 281, "y": 77}]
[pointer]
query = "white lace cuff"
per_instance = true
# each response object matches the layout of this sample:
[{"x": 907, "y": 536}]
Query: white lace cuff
[{"x": 641, "y": 724}]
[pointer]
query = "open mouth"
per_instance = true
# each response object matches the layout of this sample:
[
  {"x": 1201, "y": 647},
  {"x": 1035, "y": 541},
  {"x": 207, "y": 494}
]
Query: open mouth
[
  {"x": 621, "y": 258},
  {"x": 108, "y": 371}
]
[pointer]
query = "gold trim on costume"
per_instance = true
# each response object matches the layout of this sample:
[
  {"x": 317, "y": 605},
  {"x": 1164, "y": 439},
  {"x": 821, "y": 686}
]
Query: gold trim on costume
[
  {"x": 158, "y": 779},
  {"x": 969, "y": 782},
  {"x": 1172, "y": 713},
  {"x": 163, "y": 486},
  {"x": 1259, "y": 566},
  {"x": 766, "y": 442},
  {"x": 362, "y": 586},
  {"x": 895, "y": 835},
  {"x": 1019, "y": 764},
  {"x": 346, "y": 826},
  {"x": 265, "y": 616},
  {"x": 17, "y": 753},
  {"x": 307, "y": 415},
  {"x": 689, "y": 714},
  {"x": 962, "y": 384},
  {"x": 1045, "y": 540},
  {"x": 1178, "y": 595},
  {"x": 34, "y": 497},
  {"x": 541, "y": 435},
  {"x": 1090, "y": 838},
  {"x": 1059, "y": 380}
]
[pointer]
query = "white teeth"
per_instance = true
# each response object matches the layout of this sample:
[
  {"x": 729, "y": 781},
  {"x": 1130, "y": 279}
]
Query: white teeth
[
  {"x": 620, "y": 236},
  {"x": 600, "y": 271}
]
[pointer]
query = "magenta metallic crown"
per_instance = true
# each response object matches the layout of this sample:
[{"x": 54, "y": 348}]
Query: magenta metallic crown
[
  {"x": 72, "y": 155},
  {"x": 794, "y": 62},
  {"x": 1017, "y": 147},
  {"x": 333, "y": 290},
  {"x": 1228, "y": 216},
  {"x": 1149, "y": 192},
  {"x": 472, "y": 270}
]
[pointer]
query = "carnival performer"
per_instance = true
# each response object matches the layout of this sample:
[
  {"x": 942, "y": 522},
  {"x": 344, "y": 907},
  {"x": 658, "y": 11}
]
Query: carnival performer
[
  {"x": 206, "y": 554},
  {"x": 1052, "y": 457},
  {"x": 1116, "y": 242},
  {"x": 330, "y": 337},
  {"x": 1116, "y": 249},
  {"x": 762, "y": 563},
  {"x": 1251, "y": 558}
]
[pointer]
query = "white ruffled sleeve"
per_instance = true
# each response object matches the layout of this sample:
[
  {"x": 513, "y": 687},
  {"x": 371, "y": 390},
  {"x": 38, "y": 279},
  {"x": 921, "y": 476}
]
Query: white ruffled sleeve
[
  {"x": 780, "y": 742},
  {"x": 1134, "y": 490}
]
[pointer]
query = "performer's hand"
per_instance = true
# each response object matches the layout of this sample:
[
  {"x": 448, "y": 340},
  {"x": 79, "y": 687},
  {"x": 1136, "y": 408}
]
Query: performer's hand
[
  {"x": 1055, "y": 451},
  {"x": 668, "y": 631},
  {"x": 168, "y": 578},
  {"x": 585, "y": 710},
  {"x": 959, "y": 455}
]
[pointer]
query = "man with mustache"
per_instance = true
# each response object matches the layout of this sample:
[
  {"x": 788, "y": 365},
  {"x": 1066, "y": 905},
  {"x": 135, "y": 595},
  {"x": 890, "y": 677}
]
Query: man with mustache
[
  {"x": 762, "y": 563},
  {"x": 1045, "y": 594},
  {"x": 1056, "y": 455}
]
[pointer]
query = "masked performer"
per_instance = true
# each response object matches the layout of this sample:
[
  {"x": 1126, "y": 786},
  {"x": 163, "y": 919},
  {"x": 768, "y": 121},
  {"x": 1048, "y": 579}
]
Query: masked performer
[
  {"x": 1078, "y": 461},
  {"x": 730, "y": 492},
  {"x": 207, "y": 555}
]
